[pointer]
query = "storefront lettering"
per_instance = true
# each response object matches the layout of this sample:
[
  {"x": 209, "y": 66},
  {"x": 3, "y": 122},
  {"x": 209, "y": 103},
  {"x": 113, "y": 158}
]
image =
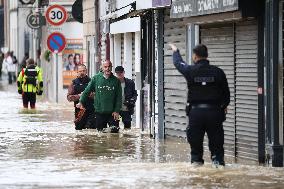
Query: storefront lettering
[
  {"x": 205, "y": 5},
  {"x": 183, "y": 8},
  {"x": 187, "y": 8},
  {"x": 229, "y": 2}
]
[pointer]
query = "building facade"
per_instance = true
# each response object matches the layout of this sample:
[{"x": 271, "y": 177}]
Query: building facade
[{"x": 244, "y": 38}]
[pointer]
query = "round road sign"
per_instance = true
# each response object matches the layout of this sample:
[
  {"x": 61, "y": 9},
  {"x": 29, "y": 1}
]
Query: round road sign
[
  {"x": 33, "y": 20},
  {"x": 56, "y": 42},
  {"x": 56, "y": 15}
]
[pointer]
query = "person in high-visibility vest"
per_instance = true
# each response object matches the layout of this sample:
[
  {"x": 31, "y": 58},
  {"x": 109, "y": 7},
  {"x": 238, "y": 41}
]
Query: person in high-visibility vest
[{"x": 30, "y": 83}]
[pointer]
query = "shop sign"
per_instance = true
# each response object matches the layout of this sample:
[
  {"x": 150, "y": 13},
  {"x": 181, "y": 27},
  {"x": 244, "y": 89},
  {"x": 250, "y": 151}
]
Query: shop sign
[
  {"x": 161, "y": 3},
  {"x": 188, "y": 8}
]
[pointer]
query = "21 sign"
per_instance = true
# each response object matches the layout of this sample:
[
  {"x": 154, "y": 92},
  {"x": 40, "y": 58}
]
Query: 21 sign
[{"x": 33, "y": 20}]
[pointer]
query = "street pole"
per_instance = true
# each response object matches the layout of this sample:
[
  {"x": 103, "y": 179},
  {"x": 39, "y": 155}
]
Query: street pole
[{"x": 56, "y": 64}]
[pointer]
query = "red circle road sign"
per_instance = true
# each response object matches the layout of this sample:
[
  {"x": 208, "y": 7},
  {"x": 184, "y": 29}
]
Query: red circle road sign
[
  {"x": 56, "y": 15},
  {"x": 56, "y": 42}
]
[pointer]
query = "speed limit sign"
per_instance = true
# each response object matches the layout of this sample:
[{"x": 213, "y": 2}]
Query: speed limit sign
[
  {"x": 56, "y": 15},
  {"x": 33, "y": 20}
]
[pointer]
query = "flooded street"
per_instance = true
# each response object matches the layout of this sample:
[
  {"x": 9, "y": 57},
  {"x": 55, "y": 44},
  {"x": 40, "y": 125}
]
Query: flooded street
[{"x": 41, "y": 149}]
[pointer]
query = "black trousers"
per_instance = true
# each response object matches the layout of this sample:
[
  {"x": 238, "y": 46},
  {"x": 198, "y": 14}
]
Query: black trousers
[
  {"x": 102, "y": 120},
  {"x": 126, "y": 119},
  {"x": 29, "y": 97},
  {"x": 210, "y": 121},
  {"x": 11, "y": 77}
]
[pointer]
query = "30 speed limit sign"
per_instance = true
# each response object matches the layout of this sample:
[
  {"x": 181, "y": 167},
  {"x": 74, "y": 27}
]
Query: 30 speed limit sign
[{"x": 56, "y": 15}]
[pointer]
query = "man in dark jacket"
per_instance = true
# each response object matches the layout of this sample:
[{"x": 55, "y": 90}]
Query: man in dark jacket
[
  {"x": 78, "y": 85},
  {"x": 107, "y": 102},
  {"x": 208, "y": 98},
  {"x": 129, "y": 97}
]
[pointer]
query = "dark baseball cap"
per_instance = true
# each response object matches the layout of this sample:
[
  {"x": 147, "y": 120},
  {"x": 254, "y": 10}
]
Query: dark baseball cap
[{"x": 119, "y": 69}]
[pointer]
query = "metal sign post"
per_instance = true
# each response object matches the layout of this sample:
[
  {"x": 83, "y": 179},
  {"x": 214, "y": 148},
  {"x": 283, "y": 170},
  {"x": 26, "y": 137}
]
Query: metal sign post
[
  {"x": 56, "y": 62},
  {"x": 56, "y": 15}
]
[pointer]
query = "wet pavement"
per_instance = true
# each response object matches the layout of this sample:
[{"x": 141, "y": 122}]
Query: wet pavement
[{"x": 40, "y": 149}]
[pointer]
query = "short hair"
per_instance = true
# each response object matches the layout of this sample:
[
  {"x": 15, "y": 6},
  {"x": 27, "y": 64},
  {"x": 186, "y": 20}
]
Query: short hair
[
  {"x": 70, "y": 55},
  {"x": 30, "y": 61},
  {"x": 107, "y": 61},
  {"x": 201, "y": 51},
  {"x": 82, "y": 65}
]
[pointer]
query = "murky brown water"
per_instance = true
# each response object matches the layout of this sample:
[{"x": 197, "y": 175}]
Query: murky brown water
[{"x": 40, "y": 149}]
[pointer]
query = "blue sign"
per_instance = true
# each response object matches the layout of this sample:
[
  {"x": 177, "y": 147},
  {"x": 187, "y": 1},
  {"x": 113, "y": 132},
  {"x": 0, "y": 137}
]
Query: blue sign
[{"x": 56, "y": 42}]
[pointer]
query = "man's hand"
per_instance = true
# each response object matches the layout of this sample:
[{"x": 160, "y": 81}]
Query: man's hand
[
  {"x": 115, "y": 115},
  {"x": 173, "y": 47},
  {"x": 79, "y": 105}
]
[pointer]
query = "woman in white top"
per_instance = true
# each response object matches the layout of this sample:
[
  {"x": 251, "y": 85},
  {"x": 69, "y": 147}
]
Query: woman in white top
[{"x": 10, "y": 67}]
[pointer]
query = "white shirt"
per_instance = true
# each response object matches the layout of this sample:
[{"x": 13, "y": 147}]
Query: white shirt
[{"x": 9, "y": 65}]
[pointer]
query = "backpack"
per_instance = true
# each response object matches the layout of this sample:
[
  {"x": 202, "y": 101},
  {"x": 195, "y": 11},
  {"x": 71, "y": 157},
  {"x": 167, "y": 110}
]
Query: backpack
[{"x": 31, "y": 75}]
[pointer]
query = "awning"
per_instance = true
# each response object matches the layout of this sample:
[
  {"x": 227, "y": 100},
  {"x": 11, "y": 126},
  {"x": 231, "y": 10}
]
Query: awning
[
  {"x": 126, "y": 25},
  {"x": 188, "y": 8}
]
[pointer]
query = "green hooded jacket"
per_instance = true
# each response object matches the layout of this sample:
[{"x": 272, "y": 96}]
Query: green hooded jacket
[{"x": 108, "y": 94}]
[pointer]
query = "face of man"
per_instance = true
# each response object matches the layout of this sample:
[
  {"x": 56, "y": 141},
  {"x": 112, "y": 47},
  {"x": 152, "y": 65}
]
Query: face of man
[
  {"x": 194, "y": 58},
  {"x": 71, "y": 59},
  {"x": 107, "y": 66},
  {"x": 82, "y": 71},
  {"x": 120, "y": 75}
]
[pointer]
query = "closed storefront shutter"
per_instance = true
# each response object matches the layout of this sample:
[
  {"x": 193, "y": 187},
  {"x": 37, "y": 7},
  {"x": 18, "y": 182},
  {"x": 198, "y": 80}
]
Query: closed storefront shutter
[
  {"x": 220, "y": 42},
  {"x": 233, "y": 47},
  {"x": 122, "y": 49},
  {"x": 175, "y": 87},
  {"x": 133, "y": 57},
  {"x": 133, "y": 73},
  {"x": 246, "y": 90}
]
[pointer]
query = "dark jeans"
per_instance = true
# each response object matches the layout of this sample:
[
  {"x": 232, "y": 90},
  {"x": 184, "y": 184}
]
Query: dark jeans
[
  {"x": 29, "y": 98},
  {"x": 126, "y": 119},
  {"x": 87, "y": 121},
  {"x": 207, "y": 120},
  {"x": 102, "y": 120},
  {"x": 11, "y": 77}
]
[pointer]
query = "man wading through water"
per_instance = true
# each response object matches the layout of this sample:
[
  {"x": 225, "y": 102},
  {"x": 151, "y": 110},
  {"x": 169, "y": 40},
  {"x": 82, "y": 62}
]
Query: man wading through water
[
  {"x": 78, "y": 85},
  {"x": 108, "y": 100}
]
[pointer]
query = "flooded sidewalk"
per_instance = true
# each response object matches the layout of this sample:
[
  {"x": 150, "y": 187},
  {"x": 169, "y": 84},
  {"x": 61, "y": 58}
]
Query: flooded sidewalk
[{"x": 41, "y": 149}]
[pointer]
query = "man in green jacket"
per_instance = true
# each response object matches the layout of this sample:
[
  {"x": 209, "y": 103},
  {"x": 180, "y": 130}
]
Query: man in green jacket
[{"x": 108, "y": 100}]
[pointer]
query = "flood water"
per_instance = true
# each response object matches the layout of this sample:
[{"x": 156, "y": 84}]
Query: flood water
[{"x": 40, "y": 149}]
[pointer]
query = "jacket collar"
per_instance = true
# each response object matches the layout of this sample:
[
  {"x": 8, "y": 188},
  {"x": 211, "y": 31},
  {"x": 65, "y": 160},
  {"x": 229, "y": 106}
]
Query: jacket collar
[{"x": 202, "y": 62}]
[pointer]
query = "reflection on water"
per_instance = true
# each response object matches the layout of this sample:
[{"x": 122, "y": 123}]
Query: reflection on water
[{"x": 40, "y": 149}]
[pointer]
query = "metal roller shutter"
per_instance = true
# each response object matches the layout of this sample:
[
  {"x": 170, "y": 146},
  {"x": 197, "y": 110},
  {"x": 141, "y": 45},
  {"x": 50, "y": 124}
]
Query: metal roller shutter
[
  {"x": 133, "y": 72},
  {"x": 174, "y": 83},
  {"x": 220, "y": 42},
  {"x": 246, "y": 90},
  {"x": 133, "y": 57},
  {"x": 122, "y": 49}
]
